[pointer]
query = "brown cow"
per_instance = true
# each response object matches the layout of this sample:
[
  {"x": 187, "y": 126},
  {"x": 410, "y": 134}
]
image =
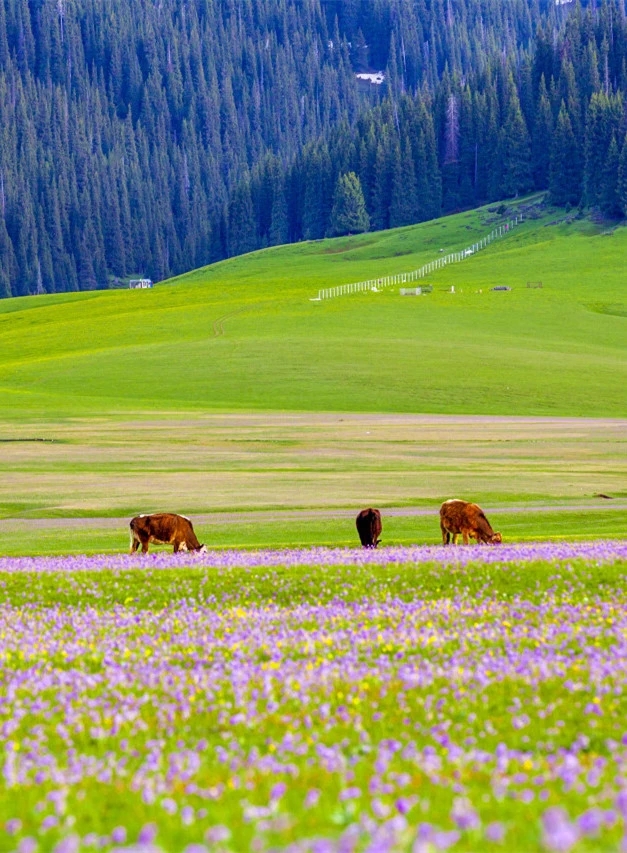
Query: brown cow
[
  {"x": 369, "y": 527},
  {"x": 166, "y": 528},
  {"x": 468, "y": 519}
]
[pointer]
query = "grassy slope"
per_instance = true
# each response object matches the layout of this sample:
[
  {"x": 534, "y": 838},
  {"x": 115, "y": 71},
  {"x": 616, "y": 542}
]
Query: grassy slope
[
  {"x": 244, "y": 334},
  {"x": 125, "y": 383}
]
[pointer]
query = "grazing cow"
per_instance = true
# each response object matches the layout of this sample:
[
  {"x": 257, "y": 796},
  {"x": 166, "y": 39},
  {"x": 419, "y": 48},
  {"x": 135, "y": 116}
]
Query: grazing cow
[
  {"x": 166, "y": 528},
  {"x": 468, "y": 519},
  {"x": 369, "y": 527}
]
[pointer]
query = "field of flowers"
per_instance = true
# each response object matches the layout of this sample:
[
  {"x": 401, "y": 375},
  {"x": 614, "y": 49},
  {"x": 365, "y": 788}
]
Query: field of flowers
[{"x": 406, "y": 699}]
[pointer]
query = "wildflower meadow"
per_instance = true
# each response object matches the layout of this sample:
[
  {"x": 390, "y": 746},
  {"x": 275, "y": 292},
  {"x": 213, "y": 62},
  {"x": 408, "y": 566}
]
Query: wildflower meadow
[{"x": 405, "y": 699}]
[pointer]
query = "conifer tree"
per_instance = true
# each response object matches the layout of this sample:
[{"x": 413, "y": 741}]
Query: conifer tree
[
  {"x": 621, "y": 186},
  {"x": 382, "y": 194},
  {"x": 241, "y": 225},
  {"x": 604, "y": 116},
  {"x": 565, "y": 169},
  {"x": 349, "y": 214},
  {"x": 279, "y": 222},
  {"x": 317, "y": 195},
  {"x": 515, "y": 152},
  {"x": 541, "y": 139},
  {"x": 404, "y": 202},
  {"x": 609, "y": 200}
]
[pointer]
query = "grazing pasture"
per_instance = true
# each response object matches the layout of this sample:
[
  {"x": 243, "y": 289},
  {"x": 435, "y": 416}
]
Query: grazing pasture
[
  {"x": 270, "y": 479},
  {"x": 227, "y": 393},
  {"x": 243, "y": 335},
  {"x": 392, "y": 699},
  {"x": 314, "y": 695}
]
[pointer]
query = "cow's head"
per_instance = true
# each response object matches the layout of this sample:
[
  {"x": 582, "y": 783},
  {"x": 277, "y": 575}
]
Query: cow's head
[
  {"x": 203, "y": 549},
  {"x": 495, "y": 539}
]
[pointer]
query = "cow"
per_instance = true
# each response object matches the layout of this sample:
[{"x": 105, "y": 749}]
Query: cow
[
  {"x": 369, "y": 527},
  {"x": 468, "y": 519},
  {"x": 166, "y": 528}
]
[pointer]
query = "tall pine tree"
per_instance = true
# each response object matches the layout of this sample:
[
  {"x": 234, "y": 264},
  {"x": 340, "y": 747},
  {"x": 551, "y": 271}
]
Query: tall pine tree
[{"x": 349, "y": 214}]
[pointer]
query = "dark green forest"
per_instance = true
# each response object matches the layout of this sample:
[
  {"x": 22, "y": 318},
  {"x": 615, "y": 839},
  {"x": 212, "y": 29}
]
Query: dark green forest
[{"x": 150, "y": 137}]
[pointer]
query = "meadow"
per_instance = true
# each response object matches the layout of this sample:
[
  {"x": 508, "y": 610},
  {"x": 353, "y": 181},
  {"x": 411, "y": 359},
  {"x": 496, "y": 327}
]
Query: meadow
[
  {"x": 298, "y": 479},
  {"x": 228, "y": 391},
  {"x": 288, "y": 690},
  {"x": 406, "y": 699}
]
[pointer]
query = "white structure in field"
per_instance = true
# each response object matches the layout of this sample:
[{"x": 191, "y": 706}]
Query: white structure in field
[{"x": 139, "y": 283}]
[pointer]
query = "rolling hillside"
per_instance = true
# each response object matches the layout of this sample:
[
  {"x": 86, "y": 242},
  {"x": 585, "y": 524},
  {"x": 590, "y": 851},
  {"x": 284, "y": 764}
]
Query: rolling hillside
[{"x": 243, "y": 334}]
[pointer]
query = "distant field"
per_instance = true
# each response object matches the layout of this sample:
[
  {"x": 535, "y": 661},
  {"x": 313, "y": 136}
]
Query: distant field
[
  {"x": 244, "y": 334},
  {"x": 228, "y": 390},
  {"x": 289, "y": 480}
]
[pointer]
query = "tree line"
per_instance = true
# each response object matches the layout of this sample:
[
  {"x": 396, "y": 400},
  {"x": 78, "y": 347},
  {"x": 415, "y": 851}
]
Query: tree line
[{"x": 149, "y": 139}]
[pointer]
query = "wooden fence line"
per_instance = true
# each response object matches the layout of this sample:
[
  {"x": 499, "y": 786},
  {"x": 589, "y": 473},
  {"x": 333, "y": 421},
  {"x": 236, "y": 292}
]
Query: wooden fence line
[{"x": 414, "y": 275}]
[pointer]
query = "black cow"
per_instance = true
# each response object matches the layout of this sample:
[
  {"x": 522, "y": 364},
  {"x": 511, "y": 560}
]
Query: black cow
[{"x": 369, "y": 527}]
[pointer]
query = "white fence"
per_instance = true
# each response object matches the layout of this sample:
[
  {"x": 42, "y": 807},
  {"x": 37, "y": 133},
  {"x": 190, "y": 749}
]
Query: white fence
[{"x": 427, "y": 269}]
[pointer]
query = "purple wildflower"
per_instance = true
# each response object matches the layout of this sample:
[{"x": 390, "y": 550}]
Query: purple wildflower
[
  {"x": 311, "y": 798},
  {"x": 13, "y": 826},
  {"x": 217, "y": 834},
  {"x": 559, "y": 834},
  {"x": 147, "y": 833},
  {"x": 495, "y": 832},
  {"x": 118, "y": 835}
]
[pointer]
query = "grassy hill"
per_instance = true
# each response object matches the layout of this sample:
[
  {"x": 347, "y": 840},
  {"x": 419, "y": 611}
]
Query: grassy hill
[
  {"x": 243, "y": 334},
  {"x": 229, "y": 395}
]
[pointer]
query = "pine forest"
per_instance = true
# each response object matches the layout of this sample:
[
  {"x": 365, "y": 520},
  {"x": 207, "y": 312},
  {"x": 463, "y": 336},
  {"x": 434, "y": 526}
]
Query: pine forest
[{"x": 151, "y": 137}]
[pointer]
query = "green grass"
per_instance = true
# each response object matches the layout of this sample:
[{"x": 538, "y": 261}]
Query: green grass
[
  {"x": 229, "y": 390},
  {"x": 152, "y": 589},
  {"x": 62, "y": 536},
  {"x": 243, "y": 334},
  {"x": 280, "y": 480}
]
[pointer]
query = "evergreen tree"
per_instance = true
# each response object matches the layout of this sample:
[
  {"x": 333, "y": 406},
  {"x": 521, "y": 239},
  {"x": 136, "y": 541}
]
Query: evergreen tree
[
  {"x": 349, "y": 214},
  {"x": 404, "y": 209},
  {"x": 316, "y": 203},
  {"x": 241, "y": 225},
  {"x": 621, "y": 186},
  {"x": 515, "y": 153},
  {"x": 431, "y": 198},
  {"x": 604, "y": 117},
  {"x": 609, "y": 200},
  {"x": 8, "y": 265},
  {"x": 279, "y": 226},
  {"x": 541, "y": 139},
  {"x": 565, "y": 169},
  {"x": 383, "y": 178}
]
